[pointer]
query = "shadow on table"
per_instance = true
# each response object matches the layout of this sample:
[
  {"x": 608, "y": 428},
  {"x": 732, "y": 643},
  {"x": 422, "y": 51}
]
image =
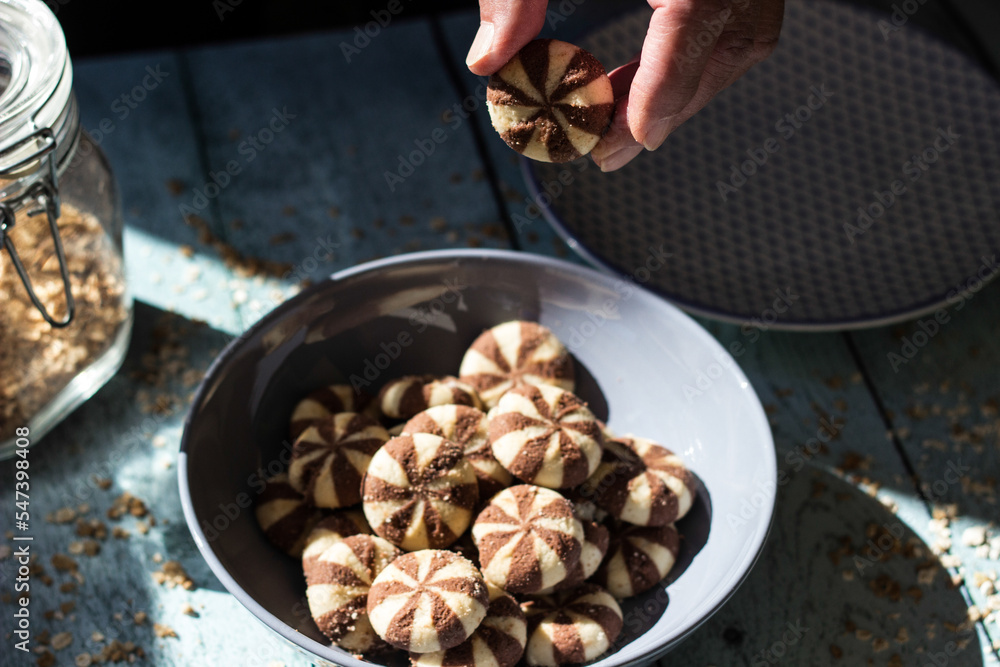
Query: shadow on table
[{"x": 841, "y": 580}]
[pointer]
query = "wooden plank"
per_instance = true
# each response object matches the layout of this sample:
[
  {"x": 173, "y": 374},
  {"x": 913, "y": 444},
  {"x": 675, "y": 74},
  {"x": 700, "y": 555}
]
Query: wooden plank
[
  {"x": 939, "y": 383},
  {"x": 135, "y": 108},
  {"x": 341, "y": 158}
]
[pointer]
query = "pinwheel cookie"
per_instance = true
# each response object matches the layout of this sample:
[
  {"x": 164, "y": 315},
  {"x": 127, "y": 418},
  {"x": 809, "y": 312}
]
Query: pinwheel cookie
[
  {"x": 513, "y": 354},
  {"x": 329, "y": 459},
  {"x": 572, "y": 626},
  {"x": 640, "y": 482},
  {"x": 528, "y": 539},
  {"x": 546, "y": 436},
  {"x": 406, "y": 396},
  {"x": 552, "y": 101},
  {"x": 498, "y": 641},
  {"x": 420, "y": 491},
  {"x": 428, "y": 600},
  {"x": 639, "y": 557},
  {"x": 337, "y": 587},
  {"x": 284, "y": 515},
  {"x": 467, "y": 427}
]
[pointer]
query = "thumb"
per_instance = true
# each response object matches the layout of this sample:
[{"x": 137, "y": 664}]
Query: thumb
[{"x": 505, "y": 27}]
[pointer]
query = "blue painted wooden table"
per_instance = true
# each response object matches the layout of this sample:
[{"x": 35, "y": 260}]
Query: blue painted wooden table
[{"x": 249, "y": 170}]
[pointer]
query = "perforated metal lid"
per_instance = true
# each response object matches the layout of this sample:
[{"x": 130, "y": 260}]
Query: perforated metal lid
[{"x": 758, "y": 196}]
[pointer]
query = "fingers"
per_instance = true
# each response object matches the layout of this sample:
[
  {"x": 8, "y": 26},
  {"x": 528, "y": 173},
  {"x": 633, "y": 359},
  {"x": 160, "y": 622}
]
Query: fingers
[
  {"x": 617, "y": 146},
  {"x": 505, "y": 27},
  {"x": 678, "y": 46}
]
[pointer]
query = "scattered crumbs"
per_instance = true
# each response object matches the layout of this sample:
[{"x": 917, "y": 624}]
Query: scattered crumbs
[
  {"x": 186, "y": 250},
  {"x": 856, "y": 377},
  {"x": 5, "y": 552},
  {"x": 61, "y": 515},
  {"x": 880, "y": 644},
  {"x": 83, "y": 660},
  {"x": 67, "y": 587},
  {"x": 895, "y": 660},
  {"x": 159, "y": 441},
  {"x": 157, "y": 557},
  {"x": 62, "y": 640},
  {"x": 836, "y": 652},
  {"x": 46, "y": 658},
  {"x": 97, "y": 637},
  {"x": 64, "y": 563},
  {"x": 103, "y": 483},
  {"x": 282, "y": 238},
  {"x": 863, "y": 635},
  {"x": 333, "y": 212},
  {"x": 357, "y": 233},
  {"x": 474, "y": 242},
  {"x": 438, "y": 223},
  {"x": 120, "y": 533},
  {"x": 188, "y": 610},
  {"x": 848, "y": 575},
  {"x": 175, "y": 187},
  {"x": 163, "y": 631},
  {"x": 451, "y": 236},
  {"x": 840, "y": 405},
  {"x": 142, "y": 527},
  {"x": 139, "y": 618},
  {"x": 172, "y": 574},
  {"x": 406, "y": 220},
  {"x": 974, "y": 536},
  {"x": 126, "y": 503},
  {"x": 835, "y": 382}
]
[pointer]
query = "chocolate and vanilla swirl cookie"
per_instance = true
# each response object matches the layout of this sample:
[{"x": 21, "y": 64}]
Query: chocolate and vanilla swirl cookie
[
  {"x": 428, "y": 600},
  {"x": 406, "y": 396},
  {"x": 337, "y": 586},
  {"x": 528, "y": 539},
  {"x": 513, "y": 354},
  {"x": 594, "y": 547},
  {"x": 640, "y": 482},
  {"x": 639, "y": 557},
  {"x": 420, "y": 491},
  {"x": 332, "y": 529},
  {"x": 284, "y": 515},
  {"x": 572, "y": 626},
  {"x": 467, "y": 427},
  {"x": 546, "y": 435},
  {"x": 330, "y": 458},
  {"x": 551, "y": 102},
  {"x": 498, "y": 641},
  {"x": 323, "y": 404}
]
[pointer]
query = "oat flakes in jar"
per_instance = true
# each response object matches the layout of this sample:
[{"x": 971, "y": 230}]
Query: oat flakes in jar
[{"x": 65, "y": 315}]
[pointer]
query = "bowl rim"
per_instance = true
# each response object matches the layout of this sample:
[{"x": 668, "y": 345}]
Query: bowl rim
[{"x": 743, "y": 567}]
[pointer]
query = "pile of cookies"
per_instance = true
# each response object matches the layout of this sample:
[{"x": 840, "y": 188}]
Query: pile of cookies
[{"x": 566, "y": 518}]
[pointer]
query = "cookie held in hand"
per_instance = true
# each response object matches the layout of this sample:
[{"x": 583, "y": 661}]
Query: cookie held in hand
[{"x": 552, "y": 102}]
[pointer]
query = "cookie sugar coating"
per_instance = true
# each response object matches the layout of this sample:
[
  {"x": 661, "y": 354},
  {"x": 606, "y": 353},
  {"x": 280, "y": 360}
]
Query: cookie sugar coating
[
  {"x": 337, "y": 586},
  {"x": 428, "y": 600},
  {"x": 528, "y": 539},
  {"x": 546, "y": 436},
  {"x": 571, "y": 627},
  {"x": 420, "y": 491},
  {"x": 513, "y": 354},
  {"x": 552, "y": 102}
]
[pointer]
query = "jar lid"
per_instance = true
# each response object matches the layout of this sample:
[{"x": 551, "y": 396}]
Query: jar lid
[{"x": 36, "y": 79}]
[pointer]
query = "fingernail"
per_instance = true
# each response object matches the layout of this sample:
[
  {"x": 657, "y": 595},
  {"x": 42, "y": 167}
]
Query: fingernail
[
  {"x": 618, "y": 159},
  {"x": 481, "y": 44},
  {"x": 657, "y": 135}
]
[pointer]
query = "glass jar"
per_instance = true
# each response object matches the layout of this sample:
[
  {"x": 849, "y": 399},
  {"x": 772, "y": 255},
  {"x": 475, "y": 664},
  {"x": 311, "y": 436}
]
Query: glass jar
[{"x": 65, "y": 314}]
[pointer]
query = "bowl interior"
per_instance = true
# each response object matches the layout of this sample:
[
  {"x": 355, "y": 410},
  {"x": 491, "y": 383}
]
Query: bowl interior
[{"x": 644, "y": 366}]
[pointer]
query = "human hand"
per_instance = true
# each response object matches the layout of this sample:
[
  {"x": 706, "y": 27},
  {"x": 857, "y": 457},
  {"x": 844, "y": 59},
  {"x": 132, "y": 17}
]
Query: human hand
[{"x": 693, "y": 49}]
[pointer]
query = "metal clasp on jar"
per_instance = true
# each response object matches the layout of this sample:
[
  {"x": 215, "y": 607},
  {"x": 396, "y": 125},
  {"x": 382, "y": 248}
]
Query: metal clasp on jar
[{"x": 45, "y": 193}]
